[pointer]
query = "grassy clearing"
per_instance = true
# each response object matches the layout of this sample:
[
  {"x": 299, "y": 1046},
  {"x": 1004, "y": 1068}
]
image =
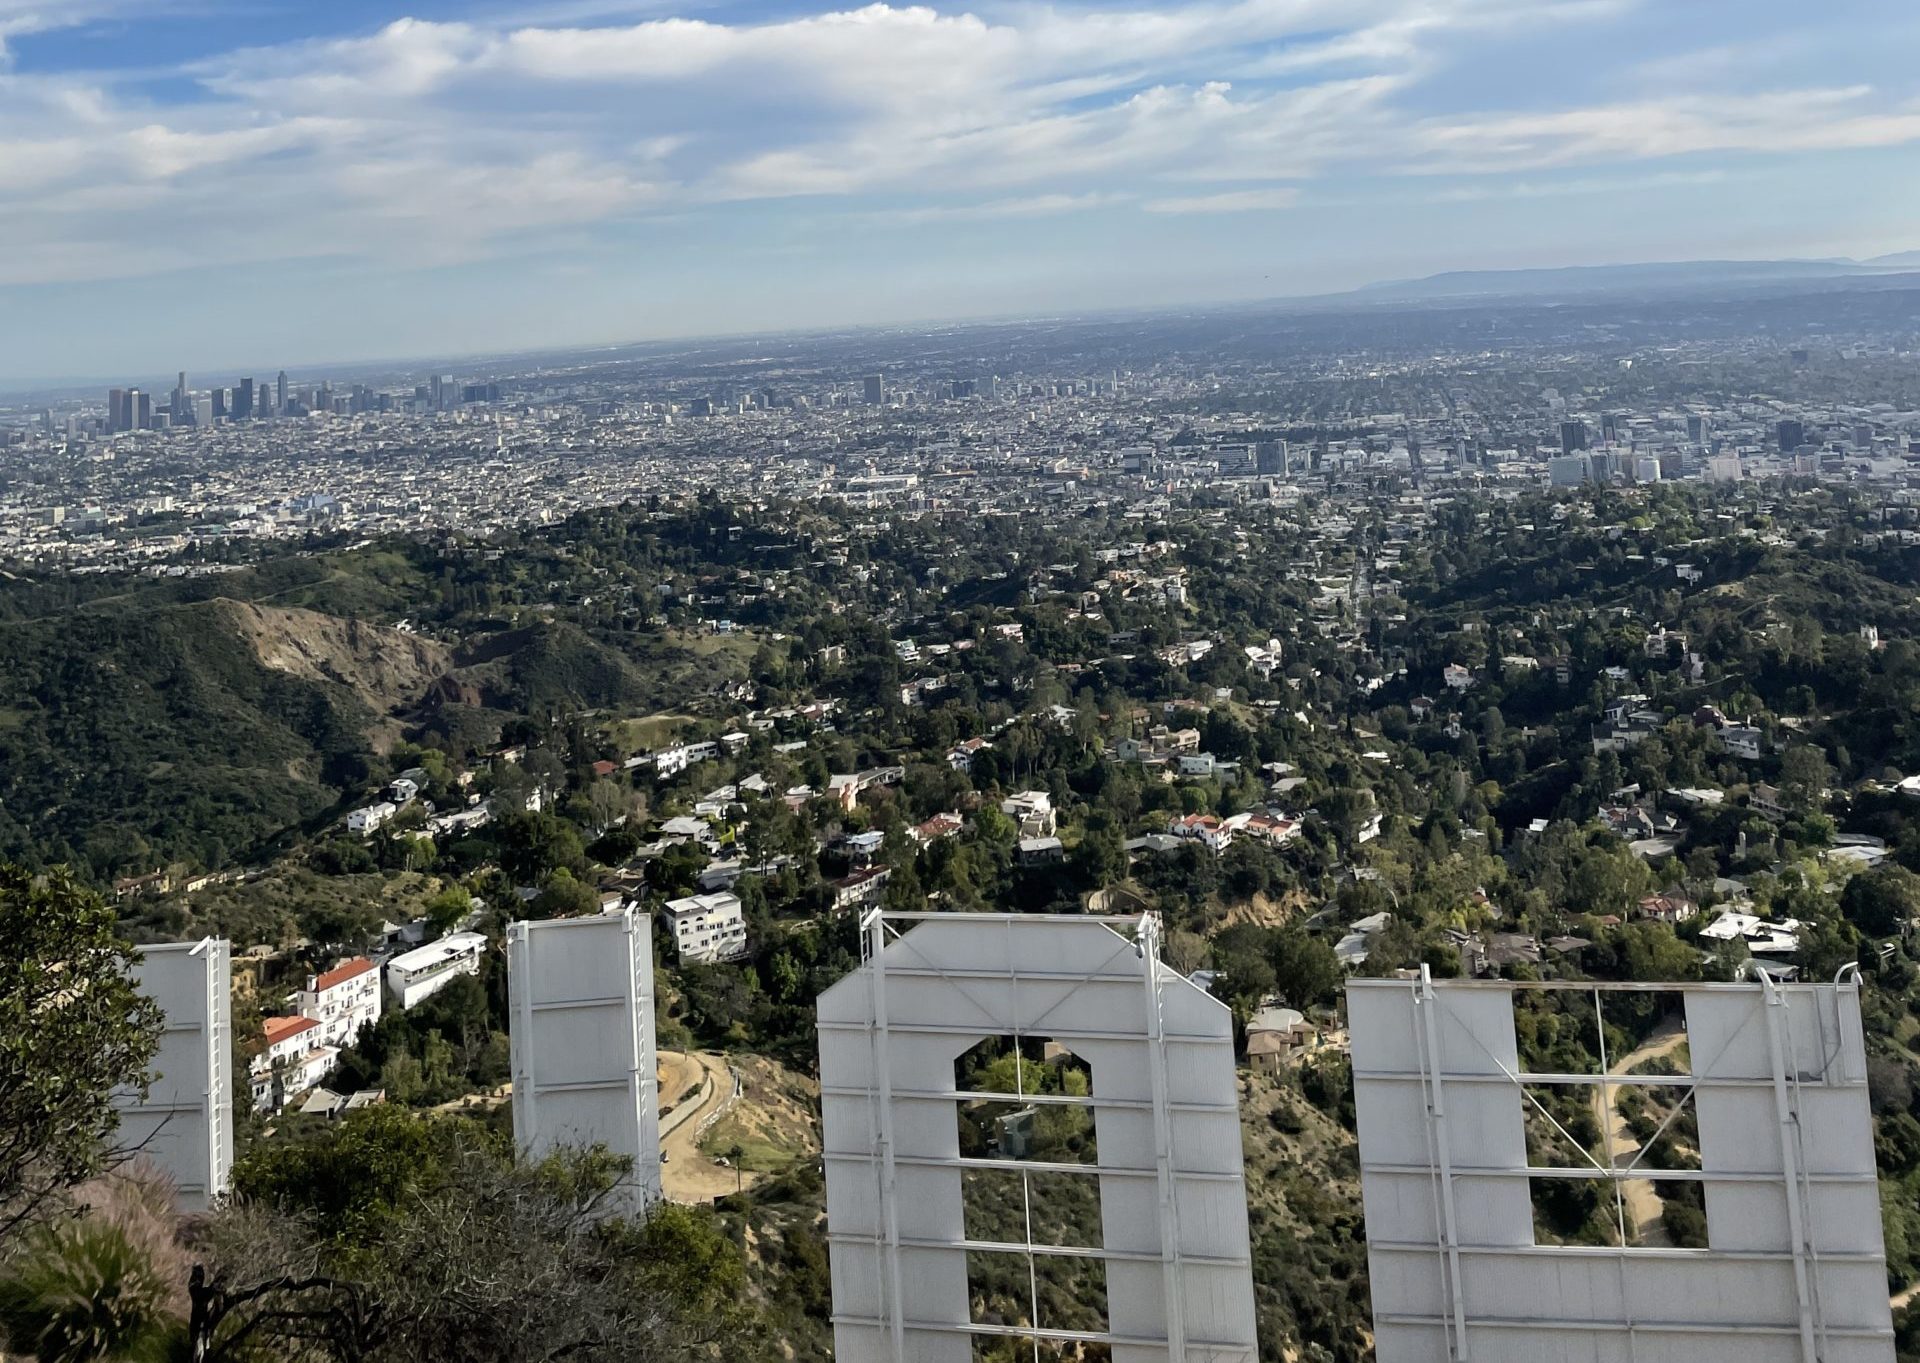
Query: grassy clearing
[{"x": 644, "y": 732}]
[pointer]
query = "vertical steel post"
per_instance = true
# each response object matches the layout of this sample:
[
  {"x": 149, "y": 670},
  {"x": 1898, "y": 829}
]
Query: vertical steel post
[
  {"x": 1173, "y": 1287},
  {"x": 1437, "y": 1119},
  {"x": 1775, "y": 1005},
  {"x": 876, "y": 928}
]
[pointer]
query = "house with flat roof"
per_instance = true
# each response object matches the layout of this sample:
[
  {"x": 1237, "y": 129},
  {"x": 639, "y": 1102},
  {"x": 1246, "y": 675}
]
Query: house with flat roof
[{"x": 423, "y": 972}]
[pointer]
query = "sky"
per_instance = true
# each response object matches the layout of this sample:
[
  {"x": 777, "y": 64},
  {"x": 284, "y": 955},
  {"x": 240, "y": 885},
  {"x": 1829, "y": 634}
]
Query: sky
[{"x": 255, "y": 183}]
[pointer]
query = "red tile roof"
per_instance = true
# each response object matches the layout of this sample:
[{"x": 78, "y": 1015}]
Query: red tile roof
[
  {"x": 340, "y": 974},
  {"x": 279, "y": 1029}
]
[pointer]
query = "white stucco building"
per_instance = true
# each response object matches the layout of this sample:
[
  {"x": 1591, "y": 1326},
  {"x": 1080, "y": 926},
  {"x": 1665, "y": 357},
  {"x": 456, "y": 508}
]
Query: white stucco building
[
  {"x": 343, "y": 1000},
  {"x": 708, "y": 927},
  {"x": 425, "y": 971}
]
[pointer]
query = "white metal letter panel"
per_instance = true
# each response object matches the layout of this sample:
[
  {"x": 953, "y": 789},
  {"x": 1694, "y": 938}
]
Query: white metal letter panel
[
  {"x": 890, "y": 1034},
  {"x": 584, "y": 1064},
  {"x": 1795, "y": 1269},
  {"x": 185, "y": 1123}
]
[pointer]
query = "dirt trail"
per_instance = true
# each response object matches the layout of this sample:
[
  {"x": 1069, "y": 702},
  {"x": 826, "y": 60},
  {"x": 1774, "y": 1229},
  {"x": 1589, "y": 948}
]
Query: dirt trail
[
  {"x": 697, "y": 1085},
  {"x": 1643, "y": 1204},
  {"x": 687, "y": 1175}
]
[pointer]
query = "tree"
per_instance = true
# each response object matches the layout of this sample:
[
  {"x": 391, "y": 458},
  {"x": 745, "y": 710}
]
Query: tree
[
  {"x": 1804, "y": 777},
  {"x": 564, "y": 897},
  {"x": 1305, "y": 969},
  {"x": 445, "y": 910},
  {"x": 1881, "y": 901},
  {"x": 476, "y": 1256},
  {"x": 73, "y": 1028},
  {"x": 608, "y": 803},
  {"x": 346, "y": 1181}
]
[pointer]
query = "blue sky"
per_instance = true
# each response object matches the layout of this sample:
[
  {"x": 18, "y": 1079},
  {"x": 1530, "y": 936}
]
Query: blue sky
[{"x": 224, "y": 183}]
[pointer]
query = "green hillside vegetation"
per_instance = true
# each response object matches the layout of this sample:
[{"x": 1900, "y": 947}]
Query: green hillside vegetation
[
  {"x": 137, "y": 733},
  {"x": 136, "y": 738}
]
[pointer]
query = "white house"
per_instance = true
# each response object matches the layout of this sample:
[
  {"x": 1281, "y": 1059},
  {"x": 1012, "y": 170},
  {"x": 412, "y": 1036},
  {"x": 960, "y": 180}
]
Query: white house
[
  {"x": 1742, "y": 740},
  {"x": 292, "y": 1061},
  {"x": 1215, "y": 834},
  {"x": 364, "y": 821},
  {"x": 1352, "y": 950},
  {"x": 425, "y": 971},
  {"x": 708, "y": 927},
  {"x": 342, "y": 1000},
  {"x": 1033, "y": 811},
  {"x": 1658, "y": 641},
  {"x": 1456, "y": 677},
  {"x": 1761, "y": 937},
  {"x": 960, "y": 757}
]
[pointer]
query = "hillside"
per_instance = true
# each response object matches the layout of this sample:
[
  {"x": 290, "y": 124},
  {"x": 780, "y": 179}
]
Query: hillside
[
  {"x": 129, "y": 737},
  {"x": 386, "y": 670},
  {"x": 138, "y": 729},
  {"x": 549, "y": 667}
]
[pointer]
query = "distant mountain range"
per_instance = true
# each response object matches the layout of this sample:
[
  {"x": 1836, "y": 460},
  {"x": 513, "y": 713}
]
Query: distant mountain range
[{"x": 1658, "y": 277}]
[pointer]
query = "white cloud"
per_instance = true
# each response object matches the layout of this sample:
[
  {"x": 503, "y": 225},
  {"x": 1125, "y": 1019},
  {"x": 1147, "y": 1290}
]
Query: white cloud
[
  {"x": 1228, "y": 201},
  {"x": 1777, "y": 121},
  {"x": 431, "y": 140},
  {"x": 1032, "y": 206}
]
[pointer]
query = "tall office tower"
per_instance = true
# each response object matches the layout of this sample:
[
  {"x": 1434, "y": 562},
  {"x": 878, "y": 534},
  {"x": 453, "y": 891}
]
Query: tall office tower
[
  {"x": 874, "y": 391},
  {"x": 1573, "y": 436},
  {"x": 243, "y": 400},
  {"x": 990, "y": 387},
  {"x": 1863, "y": 436},
  {"x": 220, "y": 405},
  {"x": 280, "y": 393},
  {"x": 449, "y": 393},
  {"x": 1609, "y": 427},
  {"x": 180, "y": 401},
  {"x": 1569, "y": 470},
  {"x": 1792, "y": 435},
  {"x": 203, "y": 410},
  {"x": 1270, "y": 456},
  {"x": 117, "y": 419},
  {"x": 1697, "y": 429},
  {"x": 142, "y": 410}
]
